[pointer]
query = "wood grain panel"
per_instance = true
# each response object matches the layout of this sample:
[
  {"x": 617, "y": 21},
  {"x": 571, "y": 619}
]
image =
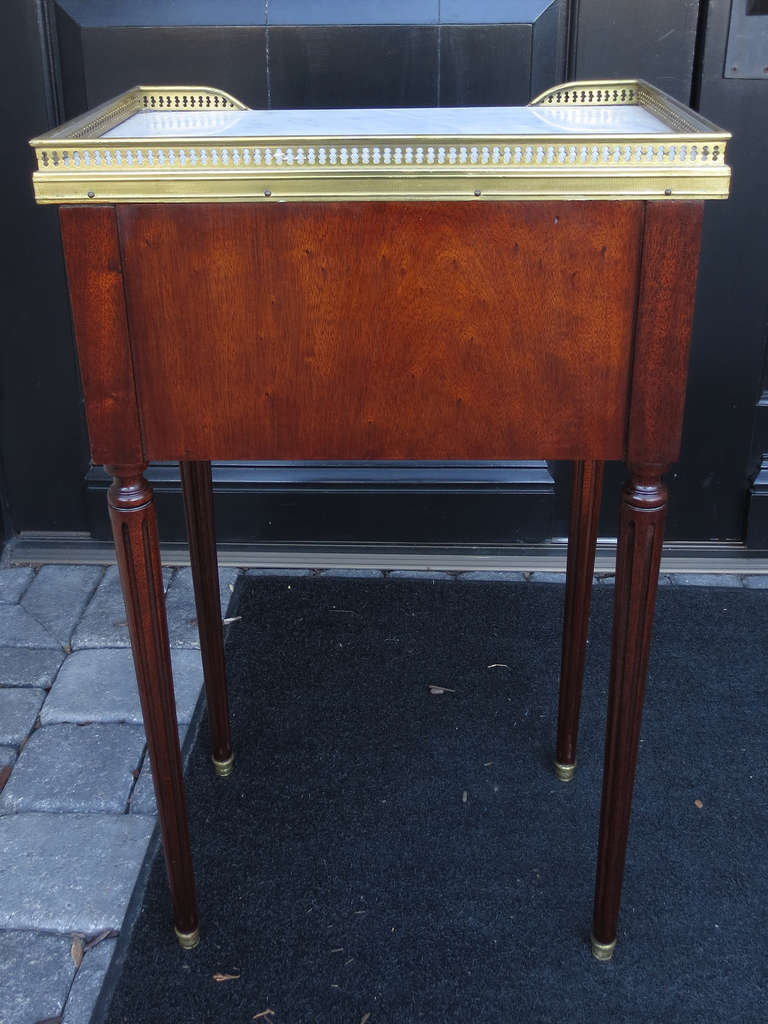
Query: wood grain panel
[
  {"x": 94, "y": 273},
  {"x": 662, "y": 337},
  {"x": 382, "y": 331}
]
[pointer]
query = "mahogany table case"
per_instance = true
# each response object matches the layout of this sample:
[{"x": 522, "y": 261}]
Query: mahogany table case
[{"x": 468, "y": 283}]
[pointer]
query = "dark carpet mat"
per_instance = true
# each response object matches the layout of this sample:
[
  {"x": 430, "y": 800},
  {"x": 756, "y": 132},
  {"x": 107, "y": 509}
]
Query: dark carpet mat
[{"x": 387, "y": 854}]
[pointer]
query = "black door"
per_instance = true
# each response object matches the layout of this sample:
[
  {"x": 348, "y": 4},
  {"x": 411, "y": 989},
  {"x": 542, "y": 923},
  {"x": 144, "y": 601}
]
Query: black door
[{"x": 67, "y": 55}]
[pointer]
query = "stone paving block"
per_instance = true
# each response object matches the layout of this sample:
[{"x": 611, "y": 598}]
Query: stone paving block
[
  {"x": 88, "y": 982},
  {"x": 755, "y": 581},
  {"x": 7, "y": 756},
  {"x": 100, "y": 686},
  {"x": 489, "y": 576},
  {"x": 58, "y": 595},
  {"x": 13, "y": 583},
  {"x": 278, "y": 572},
  {"x": 419, "y": 574},
  {"x": 143, "y": 796},
  {"x": 227, "y": 585},
  {"x": 75, "y": 768},
  {"x": 180, "y": 605},
  {"x": 23, "y": 666},
  {"x": 353, "y": 574},
  {"x": 18, "y": 710},
  {"x": 705, "y": 579},
  {"x": 547, "y": 577},
  {"x": 69, "y": 872},
  {"x": 103, "y": 623},
  {"x": 36, "y": 972},
  {"x": 19, "y": 629}
]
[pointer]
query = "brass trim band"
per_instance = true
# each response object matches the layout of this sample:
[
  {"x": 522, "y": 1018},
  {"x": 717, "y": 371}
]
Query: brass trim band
[
  {"x": 602, "y": 950},
  {"x": 223, "y": 768},
  {"x": 188, "y": 940},
  {"x": 52, "y": 188},
  {"x": 565, "y": 772}
]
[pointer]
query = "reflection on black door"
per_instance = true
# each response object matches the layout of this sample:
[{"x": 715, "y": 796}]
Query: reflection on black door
[{"x": 81, "y": 53}]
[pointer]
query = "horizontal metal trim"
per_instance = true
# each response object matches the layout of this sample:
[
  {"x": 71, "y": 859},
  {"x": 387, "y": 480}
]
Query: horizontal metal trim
[
  {"x": 472, "y": 187},
  {"x": 356, "y": 477},
  {"x": 678, "y": 557}
]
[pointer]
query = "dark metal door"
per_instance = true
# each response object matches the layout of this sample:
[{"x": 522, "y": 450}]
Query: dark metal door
[{"x": 67, "y": 55}]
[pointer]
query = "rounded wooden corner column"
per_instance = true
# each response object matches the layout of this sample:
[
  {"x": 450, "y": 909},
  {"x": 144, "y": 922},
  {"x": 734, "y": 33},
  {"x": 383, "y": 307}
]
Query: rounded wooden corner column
[
  {"x": 197, "y": 485},
  {"x": 132, "y": 514},
  {"x": 586, "y": 492},
  {"x": 641, "y": 532}
]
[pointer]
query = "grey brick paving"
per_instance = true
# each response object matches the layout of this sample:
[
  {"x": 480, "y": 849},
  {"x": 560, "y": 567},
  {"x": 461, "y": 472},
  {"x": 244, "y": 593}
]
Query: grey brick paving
[
  {"x": 23, "y": 666},
  {"x": 87, "y": 984},
  {"x": 69, "y": 872},
  {"x": 180, "y": 606},
  {"x": 489, "y": 576},
  {"x": 419, "y": 574},
  {"x": 35, "y": 975},
  {"x": 75, "y": 768},
  {"x": 278, "y": 572},
  {"x": 547, "y": 577},
  {"x": 143, "y": 796},
  {"x": 755, "y": 581},
  {"x": 104, "y": 624},
  {"x": 100, "y": 686},
  {"x": 705, "y": 579},
  {"x": 7, "y": 756},
  {"x": 19, "y": 629},
  {"x": 13, "y": 583},
  {"x": 18, "y": 710},
  {"x": 57, "y": 597},
  {"x": 353, "y": 574}
]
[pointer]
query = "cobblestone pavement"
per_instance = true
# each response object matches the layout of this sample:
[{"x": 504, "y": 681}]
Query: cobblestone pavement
[{"x": 76, "y": 803}]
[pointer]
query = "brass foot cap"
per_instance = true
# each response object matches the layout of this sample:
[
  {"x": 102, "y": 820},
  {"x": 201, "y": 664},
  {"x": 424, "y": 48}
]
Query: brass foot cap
[
  {"x": 188, "y": 940},
  {"x": 223, "y": 768},
  {"x": 602, "y": 950},
  {"x": 564, "y": 772}
]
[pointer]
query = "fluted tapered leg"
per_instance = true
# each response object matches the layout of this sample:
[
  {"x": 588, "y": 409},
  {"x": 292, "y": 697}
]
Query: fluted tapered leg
[
  {"x": 132, "y": 512},
  {"x": 641, "y": 531},
  {"x": 586, "y": 491},
  {"x": 198, "y": 506}
]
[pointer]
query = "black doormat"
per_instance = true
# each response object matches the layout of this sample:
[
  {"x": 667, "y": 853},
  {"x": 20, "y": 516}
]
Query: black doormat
[{"x": 386, "y": 852}]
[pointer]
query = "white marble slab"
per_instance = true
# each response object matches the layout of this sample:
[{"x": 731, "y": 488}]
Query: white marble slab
[{"x": 446, "y": 121}]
